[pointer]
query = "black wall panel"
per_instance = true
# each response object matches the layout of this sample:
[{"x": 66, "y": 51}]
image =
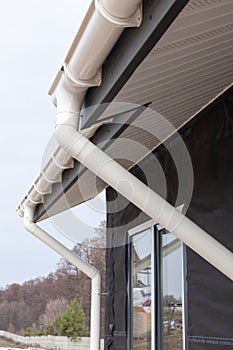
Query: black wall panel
[{"x": 209, "y": 140}]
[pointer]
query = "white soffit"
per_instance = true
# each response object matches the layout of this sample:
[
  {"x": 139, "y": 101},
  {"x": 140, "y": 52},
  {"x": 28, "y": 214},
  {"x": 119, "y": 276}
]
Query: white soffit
[
  {"x": 188, "y": 68},
  {"x": 191, "y": 64}
]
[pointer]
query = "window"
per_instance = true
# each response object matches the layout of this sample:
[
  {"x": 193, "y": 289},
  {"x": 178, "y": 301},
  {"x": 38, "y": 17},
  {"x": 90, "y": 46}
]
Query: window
[
  {"x": 155, "y": 289},
  {"x": 172, "y": 292},
  {"x": 141, "y": 291}
]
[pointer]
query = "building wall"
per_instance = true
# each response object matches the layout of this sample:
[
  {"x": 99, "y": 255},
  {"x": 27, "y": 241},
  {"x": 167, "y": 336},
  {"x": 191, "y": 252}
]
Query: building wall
[{"x": 209, "y": 306}]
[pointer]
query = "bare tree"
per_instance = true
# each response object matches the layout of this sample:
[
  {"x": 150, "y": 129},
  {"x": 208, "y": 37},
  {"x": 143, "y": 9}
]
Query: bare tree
[{"x": 53, "y": 309}]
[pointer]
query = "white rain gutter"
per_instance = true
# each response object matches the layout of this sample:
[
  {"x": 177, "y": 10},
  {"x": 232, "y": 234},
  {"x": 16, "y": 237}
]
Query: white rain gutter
[
  {"x": 77, "y": 146},
  {"x": 81, "y": 69},
  {"x": 101, "y": 29}
]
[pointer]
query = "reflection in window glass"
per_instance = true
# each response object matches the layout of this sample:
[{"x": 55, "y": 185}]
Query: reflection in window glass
[
  {"x": 172, "y": 292},
  {"x": 156, "y": 291},
  {"x": 141, "y": 249}
]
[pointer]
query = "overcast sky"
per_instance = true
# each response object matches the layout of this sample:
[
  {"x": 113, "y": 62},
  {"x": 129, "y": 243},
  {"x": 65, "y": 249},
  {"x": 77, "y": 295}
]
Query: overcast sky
[{"x": 34, "y": 37}]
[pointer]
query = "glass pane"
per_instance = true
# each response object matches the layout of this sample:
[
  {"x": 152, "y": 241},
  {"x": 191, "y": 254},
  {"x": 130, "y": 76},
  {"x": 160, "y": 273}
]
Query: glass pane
[
  {"x": 172, "y": 292},
  {"x": 141, "y": 250}
]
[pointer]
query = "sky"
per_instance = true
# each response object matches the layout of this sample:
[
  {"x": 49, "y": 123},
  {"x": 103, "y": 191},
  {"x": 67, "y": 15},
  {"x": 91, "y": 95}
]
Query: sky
[{"x": 34, "y": 37}]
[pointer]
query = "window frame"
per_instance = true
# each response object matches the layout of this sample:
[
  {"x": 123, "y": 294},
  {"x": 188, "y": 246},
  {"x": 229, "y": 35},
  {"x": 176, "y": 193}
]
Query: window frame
[
  {"x": 131, "y": 233},
  {"x": 156, "y": 283}
]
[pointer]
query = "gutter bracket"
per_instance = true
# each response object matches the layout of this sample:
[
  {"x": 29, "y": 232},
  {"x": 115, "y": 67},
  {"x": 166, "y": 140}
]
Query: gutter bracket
[
  {"x": 51, "y": 181},
  {"x": 132, "y": 21},
  {"x": 95, "y": 81},
  {"x": 33, "y": 202},
  {"x": 41, "y": 192},
  {"x": 62, "y": 166}
]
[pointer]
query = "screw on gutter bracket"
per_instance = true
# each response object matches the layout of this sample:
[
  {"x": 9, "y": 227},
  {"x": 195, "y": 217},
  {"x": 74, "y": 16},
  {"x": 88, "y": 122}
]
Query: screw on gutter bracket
[{"x": 105, "y": 293}]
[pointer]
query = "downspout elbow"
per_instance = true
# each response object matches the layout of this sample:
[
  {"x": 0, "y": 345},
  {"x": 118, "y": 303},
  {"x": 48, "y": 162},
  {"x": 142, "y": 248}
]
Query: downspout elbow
[
  {"x": 69, "y": 98},
  {"x": 51, "y": 242},
  {"x": 28, "y": 221},
  {"x": 68, "y": 137}
]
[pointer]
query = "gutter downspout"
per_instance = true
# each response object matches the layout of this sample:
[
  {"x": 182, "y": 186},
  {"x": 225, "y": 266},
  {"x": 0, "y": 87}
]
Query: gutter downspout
[
  {"x": 83, "y": 266},
  {"x": 88, "y": 154},
  {"x": 68, "y": 92},
  {"x": 101, "y": 28}
]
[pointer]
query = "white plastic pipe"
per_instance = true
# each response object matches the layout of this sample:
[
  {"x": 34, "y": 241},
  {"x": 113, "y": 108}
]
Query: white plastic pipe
[
  {"x": 99, "y": 32},
  {"x": 104, "y": 28},
  {"x": 80, "y": 148},
  {"x": 83, "y": 266},
  {"x": 101, "y": 28},
  {"x": 127, "y": 10}
]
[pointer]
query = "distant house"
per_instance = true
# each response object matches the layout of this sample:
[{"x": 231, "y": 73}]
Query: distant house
[{"x": 170, "y": 124}]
